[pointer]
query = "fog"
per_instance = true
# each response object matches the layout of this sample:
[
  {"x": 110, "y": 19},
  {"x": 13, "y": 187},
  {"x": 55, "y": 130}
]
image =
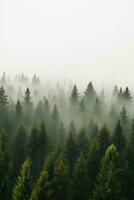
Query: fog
[{"x": 79, "y": 40}]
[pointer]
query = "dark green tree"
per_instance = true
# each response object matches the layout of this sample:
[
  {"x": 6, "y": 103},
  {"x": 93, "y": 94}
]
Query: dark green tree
[
  {"x": 18, "y": 110},
  {"x": 19, "y": 150},
  {"x": 4, "y": 167},
  {"x": 41, "y": 187},
  {"x": 108, "y": 184},
  {"x": 80, "y": 183},
  {"x": 22, "y": 188},
  {"x": 3, "y": 108}
]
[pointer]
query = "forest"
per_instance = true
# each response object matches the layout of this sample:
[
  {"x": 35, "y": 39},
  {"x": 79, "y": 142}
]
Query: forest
[{"x": 58, "y": 142}]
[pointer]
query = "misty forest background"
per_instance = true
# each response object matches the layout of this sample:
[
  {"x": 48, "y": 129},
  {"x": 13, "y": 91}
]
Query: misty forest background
[{"x": 57, "y": 142}]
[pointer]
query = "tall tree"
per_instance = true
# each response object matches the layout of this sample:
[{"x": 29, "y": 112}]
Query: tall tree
[
  {"x": 41, "y": 187},
  {"x": 22, "y": 188},
  {"x": 19, "y": 150},
  {"x": 3, "y": 108},
  {"x": 90, "y": 93},
  {"x": 74, "y": 96},
  {"x": 28, "y": 106},
  {"x": 80, "y": 180},
  {"x": 4, "y": 167},
  {"x": 108, "y": 184},
  {"x": 119, "y": 139},
  {"x": 18, "y": 111}
]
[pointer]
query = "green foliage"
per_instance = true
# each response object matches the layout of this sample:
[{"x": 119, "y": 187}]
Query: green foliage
[
  {"x": 22, "y": 188},
  {"x": 108, "y": 183}
]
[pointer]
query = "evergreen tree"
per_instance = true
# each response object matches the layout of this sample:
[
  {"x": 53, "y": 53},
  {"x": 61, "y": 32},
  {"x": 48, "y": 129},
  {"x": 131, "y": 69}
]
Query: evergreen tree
[
  {"x": 108, "y": 184},
  {"x": 90, "y": 93},
  {"x": 130, "y": 172},
  {"x": 18, "y": 111},
  {"x": 119, "y": 139},
  {"x": 55, "y": 122},
  {"x": 124, "y": 120},
  {"x": 22, "y": 188},
  {"x": 3, "y": 108},
  {"x": 28, "y": 106},
  {"x": 71, "y": 150},
  {"x": 19, "y": 150},
  {"x": 33, "y": 147},
  {"x": 41, "y": 187},
  {"x": 74, "y": 96},
  {"x": 80, "y": 181},
  {"x": 4, "y": 167},
  {"x": 127, "y": 95},
  {"x": 83, "y": 143},
  {"x": 60, "y": 181}
]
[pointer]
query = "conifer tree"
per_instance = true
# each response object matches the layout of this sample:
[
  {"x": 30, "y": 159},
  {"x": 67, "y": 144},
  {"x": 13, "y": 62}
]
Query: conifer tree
[
  {"x": 28, "y": 106},
  {"x": 4, "y": 167},
  {"x": 80, "y": 180},
  {"x": 3, "y": 108},
  {"x": 90, "y": 93},
  {"x": 74, "y": 96},
  {"x": 71, "y": 150},
  {"x": 18, "y": 111},
  {"x": 108, "y": 184},
  {"x": 19, "y": 150},
  {"x": 127, "y": 95},
  {"x": 119, "y": 139},
  {"x": 41, "y": 187},
  {"x": 60, "y": 181},
  {"x": 22, "y": 188}
]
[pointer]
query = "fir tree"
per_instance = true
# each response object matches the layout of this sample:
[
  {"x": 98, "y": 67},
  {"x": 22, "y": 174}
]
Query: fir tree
[
  {"x": 22, "y": 188},
  {"x": 80, "y": 181},
  {"x": 108, "y": 184}
]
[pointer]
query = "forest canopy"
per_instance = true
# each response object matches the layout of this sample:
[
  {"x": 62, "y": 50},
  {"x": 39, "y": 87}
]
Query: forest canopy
[{"x": 57, "y": 142}]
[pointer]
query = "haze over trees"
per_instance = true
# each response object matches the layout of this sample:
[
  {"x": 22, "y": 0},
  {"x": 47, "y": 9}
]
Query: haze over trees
[{"x": 57, "y": 142}]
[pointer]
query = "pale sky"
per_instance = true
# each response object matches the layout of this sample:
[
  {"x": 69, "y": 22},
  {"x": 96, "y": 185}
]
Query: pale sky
[{"x": 79, "y": 39}]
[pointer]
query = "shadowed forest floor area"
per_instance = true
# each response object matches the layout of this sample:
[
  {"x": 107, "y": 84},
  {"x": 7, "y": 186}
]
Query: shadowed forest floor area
[{"x": 58, "y": 143}]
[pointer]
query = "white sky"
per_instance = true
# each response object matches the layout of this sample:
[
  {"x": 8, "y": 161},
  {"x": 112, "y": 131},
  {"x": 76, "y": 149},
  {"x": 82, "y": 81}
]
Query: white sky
[{"x": 79, "y": 39}]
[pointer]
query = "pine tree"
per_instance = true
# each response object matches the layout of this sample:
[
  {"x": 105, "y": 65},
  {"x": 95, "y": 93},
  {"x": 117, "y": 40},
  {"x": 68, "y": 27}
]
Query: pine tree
[
  {"x": 127, "y": 95},
  {"x": 22, "y": 188},
  {"x": 28, "y": 106},
  {"x": 74, "y": 96},
  {"x": 33, "y": 147},
  {"x": 119, "y": 139},
  {"x": 18, "y": 110},
  {"x": 71, "y": 151},
  {"x": 83, "y": 143},
  {"x": 103, "y": 140},
  {"x": 60, "y": 181},
  {"x": 80, "y": 180},
  {"x": 130, "y": 159},
  {"x": 90, "y": 93},
  {"x": 41, "y": 187},
  {"x": 124, "y": 120},
  {"x": 42, "y": 145},
  {"x": 19, "y": 150},
  {"x": 4, "y": 167},
  {"x": 55, "y": 122},
  {"x": 3, "y": 108},
  {"x": 108, "y": 184}
]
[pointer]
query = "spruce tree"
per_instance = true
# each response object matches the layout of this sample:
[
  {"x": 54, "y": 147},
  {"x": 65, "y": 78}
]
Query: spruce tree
[
  {"x": 19, "y": 150},
  {"x": 41, "y": 187},
  {"x": 4, "y": 167},
  {"x": 108, "y": 184},
  {"x": 80, "y": 183},
  {"x": 74, "y": 96},
  {"x": 22, "y": 188}
]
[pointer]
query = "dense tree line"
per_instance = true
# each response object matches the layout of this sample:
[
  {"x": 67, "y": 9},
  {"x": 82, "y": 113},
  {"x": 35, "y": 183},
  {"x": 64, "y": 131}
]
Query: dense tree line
[{"x": 65, "y": 145}]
